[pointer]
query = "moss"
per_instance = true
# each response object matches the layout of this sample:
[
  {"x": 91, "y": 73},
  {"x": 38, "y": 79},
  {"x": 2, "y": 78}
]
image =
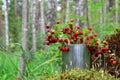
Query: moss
[{"x": 77, "y": 74}]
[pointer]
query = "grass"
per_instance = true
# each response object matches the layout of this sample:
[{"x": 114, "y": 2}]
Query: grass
[{"x": 43, "y": 64}]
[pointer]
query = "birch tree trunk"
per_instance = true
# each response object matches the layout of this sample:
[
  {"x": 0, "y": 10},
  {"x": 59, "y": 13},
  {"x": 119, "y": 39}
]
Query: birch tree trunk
[
  {"x": 67, "y": 10},
  {"x": 79, "y": 4},
  {"x": 22, "y": 64},
  {"x": 101, "y": 13},
  {"x": 0, "y": 18},
  {"x": 51, "y": 12},
  {"x": 63, "y": 11},
  {"x": 42, "y": 24},
  {"x": 6, "y": 23},
  {"x": 33, "y": 25},
  {"x": 116, "y": 12},
  {"x": 37, "y": 25}
]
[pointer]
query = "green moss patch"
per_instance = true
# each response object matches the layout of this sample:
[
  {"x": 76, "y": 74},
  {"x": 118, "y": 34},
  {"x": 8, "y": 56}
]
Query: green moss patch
[{"x": 77, "y": 74}]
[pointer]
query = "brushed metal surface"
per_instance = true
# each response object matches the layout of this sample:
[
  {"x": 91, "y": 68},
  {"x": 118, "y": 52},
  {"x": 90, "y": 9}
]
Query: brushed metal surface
[{"x": 77, "y": 57}]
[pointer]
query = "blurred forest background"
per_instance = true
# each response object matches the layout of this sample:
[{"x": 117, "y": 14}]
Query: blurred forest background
[{"x": 22, "y": 32}]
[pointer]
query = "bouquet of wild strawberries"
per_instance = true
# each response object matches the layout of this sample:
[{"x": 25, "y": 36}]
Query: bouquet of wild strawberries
[{"x": 72, "y": 34}]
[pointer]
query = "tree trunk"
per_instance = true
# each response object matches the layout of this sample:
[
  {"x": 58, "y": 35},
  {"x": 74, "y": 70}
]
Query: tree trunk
[
  {"x": 63, "y": 11},
  {"x": 51, "y": 14},
  {"x": 6, "y": 23},
  {"x": 87, "y": 18},
  {"x": 42, "y": 24},
  {"x": 116, "y": 12},
  {"x": 33, "y": 25},
  {"x": 67, "y": 10},
  {"x": 101, "y": 13},
  {"x": 79, "y": 11},
  {"x": 22, "y": 64},
  {"x": 0, "y": 18},
  {"x": 37, "y": 15}
]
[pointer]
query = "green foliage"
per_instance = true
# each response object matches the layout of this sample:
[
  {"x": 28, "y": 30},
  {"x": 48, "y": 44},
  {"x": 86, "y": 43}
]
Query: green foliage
[
  {"x": 77, "y": 74},
  {"x": 42, "y": 64}
]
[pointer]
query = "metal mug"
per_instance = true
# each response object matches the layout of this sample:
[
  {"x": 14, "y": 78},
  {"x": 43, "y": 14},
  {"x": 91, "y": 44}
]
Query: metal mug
[{"x": 78, "y": 57}]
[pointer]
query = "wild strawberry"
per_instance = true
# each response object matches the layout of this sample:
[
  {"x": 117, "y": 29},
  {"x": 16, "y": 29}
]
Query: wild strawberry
[
  {"x": 52, "y": 32},
  {"x": 114, "y": 62},
  {"x": 66, "y": 49},
  {"x": 63, "y": 49},
  {"x": 95, "y": 34},
  {"x": 47, "y": 42},
  {"x": 49, "y": 31},
  {"x": 81, "y": 33},
  {"x": 91, "y": 37},
  {"x": 95, "y": 55},
  {"x": 104, "y": 49},
  {"x": 69, "y": 32},
  {"x": 81, "y": 40},
  {"x": 53, "y": 40},
  {"x": 50, "y": 36},
  {"x": 71, "y": 20},
  {"x": 66, "y": 41},
  {"x": 96, "y": 43},
  {"x": 88, "y": 38},
  {"x": 71, "y": 41},
  {"x": 90, "y": 28},
  {"x": 47, "y": 26},
  {"x": 66, "y": 29},
  {"x": 99, "y": 52},
  {"x": 60, "y": 40},
  {"x": 58, "y": 22},
  {"x": 71, "y": 26},
  {"x": 76, "y": 34},
  {"x": 76, "y": 39},
  {"x": 106, "y": 43},
  {"x": 78, "y": 27},
  {"x": 72, "y": 37},
  {"x": 90, "y": 48},
  {"x": 111, "y": 60}
]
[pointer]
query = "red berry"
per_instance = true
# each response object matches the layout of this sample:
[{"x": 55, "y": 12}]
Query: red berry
[
  {"x": 95, "y": 55},
  {"x": 81, "y": 40},
  {"x": 47, "y": 42},
  {"x": 69, "y": 32},
  {"x": 66, "y": 29},
  {"x": 71, "y": 41},
  {"x": 111, "y": 60},
  {"x": 58, "y": 22},
  {"x": 52, "y": 32},
  {"x": 60, "y": 40},
  {"x": 104, "y": 49},
  {"x": 72, "y": 37},
  {"x": 76, "y": 33},
  {"x": 95, "y": 34},
  {"x": 66, "y": 49},
  {"x": 71, "y": 20},
  {"x": 71, "y": 26},
  {"x": 96, "y": 43},
  {"x": 114, "y": 62},
  {"x": 53, "y": 40},
  {"x": 76, "y": 39},
  {"x": 47, "y": 26},
  {"x": 91, "y": 37},
  {"x": 62, "y": 49},
  {"x": 99, "y": 52},
  {"x": 90, "y": 28},
  {"x": 50, "y": 36},
  {"x": 66, "y": 41},
  {"x": 78, "y": 27},
  {"x": 81, "y": 33},
  {"x": 106, "y": 43}
]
